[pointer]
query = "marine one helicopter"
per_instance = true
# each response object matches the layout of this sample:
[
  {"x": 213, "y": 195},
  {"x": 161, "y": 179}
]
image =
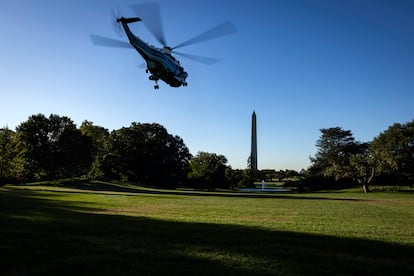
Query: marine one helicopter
[{"x": 160, "y": 62}]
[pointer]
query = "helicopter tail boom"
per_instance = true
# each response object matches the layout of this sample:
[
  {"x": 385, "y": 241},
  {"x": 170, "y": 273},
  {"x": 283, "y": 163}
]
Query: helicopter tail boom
[{"x": 128, "y": 20}]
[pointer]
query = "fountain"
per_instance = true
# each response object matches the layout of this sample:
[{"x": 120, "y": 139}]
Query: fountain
[{"x": 264, "y": 188}]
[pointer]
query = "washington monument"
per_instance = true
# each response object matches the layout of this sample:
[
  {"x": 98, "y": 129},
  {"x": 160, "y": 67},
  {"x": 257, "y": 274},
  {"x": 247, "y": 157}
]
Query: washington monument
[{"x": 253, "y": 154}]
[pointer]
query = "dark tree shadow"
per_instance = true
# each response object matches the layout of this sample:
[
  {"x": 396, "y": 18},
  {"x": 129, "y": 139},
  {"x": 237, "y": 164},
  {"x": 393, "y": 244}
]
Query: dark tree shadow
[{"x": 46, "y": 237}]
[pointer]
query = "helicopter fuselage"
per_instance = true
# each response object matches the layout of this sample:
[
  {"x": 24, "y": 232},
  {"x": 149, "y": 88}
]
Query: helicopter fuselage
[{"x": 160, "y": 63}]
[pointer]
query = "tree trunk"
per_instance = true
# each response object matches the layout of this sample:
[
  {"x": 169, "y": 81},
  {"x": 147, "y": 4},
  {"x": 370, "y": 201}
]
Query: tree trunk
[{"x": 365, "y": 183}]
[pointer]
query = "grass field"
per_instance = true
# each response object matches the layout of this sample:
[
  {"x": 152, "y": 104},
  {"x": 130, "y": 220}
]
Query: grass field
[{"x": 109, "y": 229}]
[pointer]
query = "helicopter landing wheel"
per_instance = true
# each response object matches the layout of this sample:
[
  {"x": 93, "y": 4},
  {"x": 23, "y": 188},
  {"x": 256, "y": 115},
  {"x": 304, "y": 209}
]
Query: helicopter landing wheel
[{"x": 156, "y": 86}]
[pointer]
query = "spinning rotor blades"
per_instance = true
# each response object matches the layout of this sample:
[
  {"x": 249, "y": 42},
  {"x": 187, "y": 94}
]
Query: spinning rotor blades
[
  {"x": 150, "y": 15},
  {"x": 220, "y": 30},
  {"x": 109, "y": 42},
  {"x": 115, "y": 13},
  {"x": 200, "y": 59}
]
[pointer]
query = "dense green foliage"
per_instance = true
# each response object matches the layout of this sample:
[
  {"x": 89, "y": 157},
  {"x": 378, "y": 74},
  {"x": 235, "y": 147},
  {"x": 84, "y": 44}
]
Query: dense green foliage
[
  {"x": 147, "y": 153},
  {"x": 339, "y": 157},
  {"x": 100, "y": 149},
  {"x": 51, "y": 148},
  {"x": 7, "y": 155},
  {"x": 390, "y": 157},
  {"x": 46, "y": 148},
  {"x": 208, "y": 171},
  {"x": 111, "y": 229},
  {"x": 334, "y": 150},
  {"x": 394, "y": 152}
]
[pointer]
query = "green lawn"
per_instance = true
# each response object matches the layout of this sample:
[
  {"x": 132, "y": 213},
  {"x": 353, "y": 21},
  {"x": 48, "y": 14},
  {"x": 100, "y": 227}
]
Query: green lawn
[{"x": 108, "y": 229}]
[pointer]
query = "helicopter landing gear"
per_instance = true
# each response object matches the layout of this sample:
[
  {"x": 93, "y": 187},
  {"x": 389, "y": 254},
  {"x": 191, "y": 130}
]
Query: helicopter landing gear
[
  {"x": 184, "y": 84},
  {"x": 155, "y": 78}
]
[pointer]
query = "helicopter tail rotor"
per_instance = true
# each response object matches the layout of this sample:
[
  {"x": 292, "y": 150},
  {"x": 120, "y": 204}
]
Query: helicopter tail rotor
[{"x": 116, "y": 26}]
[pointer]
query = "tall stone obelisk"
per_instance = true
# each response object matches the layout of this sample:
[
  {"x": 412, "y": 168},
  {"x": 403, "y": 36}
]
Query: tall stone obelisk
[{"x": 253, "y": 154}]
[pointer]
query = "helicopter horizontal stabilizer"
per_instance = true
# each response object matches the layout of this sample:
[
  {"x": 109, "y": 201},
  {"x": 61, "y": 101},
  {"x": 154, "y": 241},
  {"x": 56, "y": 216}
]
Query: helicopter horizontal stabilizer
[{"x": 128, "y": 20}]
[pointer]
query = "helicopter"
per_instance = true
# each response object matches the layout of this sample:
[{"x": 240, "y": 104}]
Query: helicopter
[{"x": 160, "y": 63}]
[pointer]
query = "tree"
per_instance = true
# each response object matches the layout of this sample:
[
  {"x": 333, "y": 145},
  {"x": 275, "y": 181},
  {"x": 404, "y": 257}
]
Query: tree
[
  {"x": 208, "y": 170},
  {"x": 362, "y": 166},
  {"x": 74, "y": 154},
  {"x": 340, "y": 157},
  {"x": 52, "y": 147},
  {"x": 147, "y": 153},
  {"x": 100, "y": 148},
  {"x": 394, "y": 152},
  {"x": 7, "y": 154},
  {"x": 253, "y": 172},
  {"x": 237, "y": 178},
  {"x": 33, "y": 146},
  {"x": 335, "y": 147}
]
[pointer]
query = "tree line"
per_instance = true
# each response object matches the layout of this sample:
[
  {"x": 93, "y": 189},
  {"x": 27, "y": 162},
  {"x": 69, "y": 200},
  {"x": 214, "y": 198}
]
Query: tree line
[
  {"x": 387, "y": 159},
  {"x": 49, "y": 148}
]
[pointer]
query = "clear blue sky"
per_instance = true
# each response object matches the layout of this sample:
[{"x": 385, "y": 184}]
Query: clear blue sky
[{"x": 301, "y": 65}]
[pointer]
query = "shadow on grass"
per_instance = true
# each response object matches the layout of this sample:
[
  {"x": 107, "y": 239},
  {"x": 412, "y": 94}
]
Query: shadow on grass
[{"x": 48, "y": 237}]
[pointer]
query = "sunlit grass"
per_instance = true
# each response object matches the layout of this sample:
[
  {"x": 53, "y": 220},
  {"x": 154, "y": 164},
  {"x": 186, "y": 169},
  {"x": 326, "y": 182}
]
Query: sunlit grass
[{"x": 127, "y": 230}]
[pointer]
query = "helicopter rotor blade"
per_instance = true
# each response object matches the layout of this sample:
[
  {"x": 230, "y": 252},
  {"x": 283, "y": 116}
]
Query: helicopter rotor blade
[
  {"x": 200, "y": 59},
  {"x": 116, "y": 26},
  {"x": 151, "y": 17},
  {"x": 108, "y": 42},
  {"x": 220, "y": 30}
]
